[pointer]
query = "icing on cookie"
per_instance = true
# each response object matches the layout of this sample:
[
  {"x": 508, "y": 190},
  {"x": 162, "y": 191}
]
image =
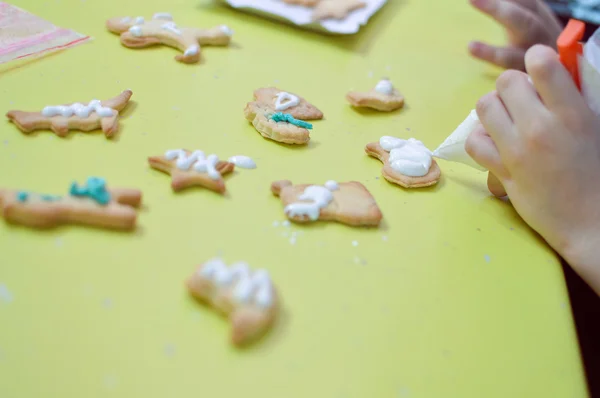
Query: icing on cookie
[
  {"x": 22, "y": 196},
  {"x": 287, "y": 118},
  {"x": 385, "y": 87},
  {"x": 139, "y": 20},
  {"x": 243, "y": 162},
  {"x": 191, "y": 50},
  {"x": 171, "y": 27},
  {"x": 95, "y": 189},
  {"x": 285, "y": 101},
  {"x": 136, "y": 31},
  {"x": 197, "y": 160},
  {"x": 312, "y": 200},
  {"x": 227, "y": 30},
  {"x": 409, "y": 157},
  {"x": 247, "y": 286},
  {"x": 165, "y": 16},
  {"x": 79, "y": 110}
]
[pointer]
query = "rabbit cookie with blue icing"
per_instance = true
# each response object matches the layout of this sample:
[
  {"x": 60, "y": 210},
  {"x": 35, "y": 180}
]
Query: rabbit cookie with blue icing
[
  {"x": 281, "y": 116},
  {"x": 138, "y": 32},
  {"x": 92, "y": 204}
]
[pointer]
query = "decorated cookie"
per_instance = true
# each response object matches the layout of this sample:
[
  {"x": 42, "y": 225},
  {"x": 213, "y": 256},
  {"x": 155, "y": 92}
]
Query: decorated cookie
[
  {"x": 196, "y": 169},
  {"x": 138, "y": 32},
  {"x": 280, "y": 116},
  {"x": 83, "y": 117},
  {"x": 407, "y": 163},
  {"x": 384, "y": 97},
  {"x": 92, "y": 204},
  {"x": 348, "y": 203},
  {"x": 336, "y": 9},
  {"x": 247, "y": 298}
]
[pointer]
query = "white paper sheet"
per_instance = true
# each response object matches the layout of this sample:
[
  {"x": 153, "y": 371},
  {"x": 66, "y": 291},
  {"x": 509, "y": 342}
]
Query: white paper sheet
[{"x": 301, "y": 16}]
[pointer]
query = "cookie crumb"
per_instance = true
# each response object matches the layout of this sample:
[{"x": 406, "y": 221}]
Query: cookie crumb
[
  {"x": 487, "y": 258},
  {"x": 286, "y": 223},
  {"x": 169, "y": 350},
  {"x": 58, "y": 242},
  {"x": 384, "y": 238},
  {"x": 110, "y": 381},
  {"x": 107, "y": 303},
  {"x": 5, "y": 295},
  {"x": 275, "y": 224},
  {"x": 354, "y": 243},
  {"x": 370, "y": 74},
  {"x": 5, "y": 142},
  {"x": 293, "y": 240}
]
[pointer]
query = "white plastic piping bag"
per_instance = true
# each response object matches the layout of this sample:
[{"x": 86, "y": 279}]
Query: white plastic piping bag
[{"x": 453, "y": 148}]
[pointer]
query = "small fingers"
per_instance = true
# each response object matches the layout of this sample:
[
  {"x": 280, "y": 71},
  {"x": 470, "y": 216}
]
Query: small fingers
[
  {"x": 496, "y": 121},
  {"x": 504, "y": 57},
  {"x": 516, "y": 18},
  {"x": 552, "y": 81},
  {"x": 519, "y": 97},
  {"x": 481, "y": 148},
  {"x": 495, "y": 186}
]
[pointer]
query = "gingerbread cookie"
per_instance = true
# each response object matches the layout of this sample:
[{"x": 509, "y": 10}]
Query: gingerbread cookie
[
  {"x": 192, "y": 169},
  {"x": 62, "y": 118},
  {"x": 407, "y": 163},
  {"x": 384, "y": 97},
  {"x": 247, "y": 298},
  {"x": 336, "y": 9},
  {"x": 138, "y": 32},
  {"x": 93, "y": 204},
  {"x": 280, "y": 116},
  {"x": 348, "y": 203},
  {"x": 306, "y": 3}
]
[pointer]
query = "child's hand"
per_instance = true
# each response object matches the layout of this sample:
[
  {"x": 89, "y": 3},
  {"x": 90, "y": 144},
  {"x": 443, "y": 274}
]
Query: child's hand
[
  {"x": 527, "y": 22},
  {"x": 543, "y": 149}
]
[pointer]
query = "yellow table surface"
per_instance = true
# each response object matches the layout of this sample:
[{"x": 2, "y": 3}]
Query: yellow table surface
[{"x": 453, "y": 296}]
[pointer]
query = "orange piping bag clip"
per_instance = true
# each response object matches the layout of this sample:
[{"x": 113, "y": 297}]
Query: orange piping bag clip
[{"x": 570, "y": 47}]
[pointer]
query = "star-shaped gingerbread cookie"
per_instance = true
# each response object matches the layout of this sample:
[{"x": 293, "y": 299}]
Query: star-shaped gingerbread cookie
[
  {"x": 63, "y": 118},
  {"x": 192, "y": 169},
  {"x": 407, "y": 163},
  {"x": 348, "y": 203},
  {"x": 138, "y": 33},
  {"x": 384, "y": 97},
  {"x": 279, "y": 115}
]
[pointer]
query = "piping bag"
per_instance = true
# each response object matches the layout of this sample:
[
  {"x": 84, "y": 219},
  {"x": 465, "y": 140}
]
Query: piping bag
[{"x": 583, "y": 64}]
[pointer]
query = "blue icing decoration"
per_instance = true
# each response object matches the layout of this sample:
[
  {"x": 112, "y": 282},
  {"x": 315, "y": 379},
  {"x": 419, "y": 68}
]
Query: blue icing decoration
[
  {"x": 22, "y": 196},
  {"x": 95, "y": 189}
]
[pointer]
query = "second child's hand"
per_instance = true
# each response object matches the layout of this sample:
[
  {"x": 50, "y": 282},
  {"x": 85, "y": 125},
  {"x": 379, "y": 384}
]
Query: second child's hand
[{"x": 527, "y": 23}]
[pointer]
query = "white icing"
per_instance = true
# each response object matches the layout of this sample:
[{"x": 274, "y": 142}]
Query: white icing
[
  {"x": 385, "y": 87},
  {"x": 126, "y": 20},
  {"x": 243, "y": 162},
  {"x": 409, "y": 157},
  {"x": 291, "y": 101},
  {"x": 247, "y": 286},
  {"x": 227, "y": 30},
  {"x": 312, "y": 200},
  {"x": 136, "y": 31},
  {"x": 138, "y": 20},
  {"x": 332, "y": 185},
  {"x": 197, "y": 160},
  {"x": 165, "y": 16},
  {"x": 79, "y": 110},
  {"x": 171, "y": 27},
  {"x": 192, "y": 50}
]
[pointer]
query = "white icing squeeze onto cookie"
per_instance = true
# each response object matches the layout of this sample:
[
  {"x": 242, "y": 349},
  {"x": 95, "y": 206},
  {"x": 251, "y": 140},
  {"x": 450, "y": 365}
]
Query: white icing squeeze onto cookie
[
  {"x": 139, "y": 20},
  {"x": 285, "y": 101},
  {"x": 136, "y": 31},
  {"x": 247, "y": 286},
  {"x": 316, "y": 197},
  {"x": 79, "y": 110},
  {"x": 197, "y": 160},
  {"x": 409, "y": 157},
  {"x": 243, "y": 162},
  {"x": 227, "y": 30},
  {"x": 385, "y": 87},
  {"x": 171, "y": 27}
]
